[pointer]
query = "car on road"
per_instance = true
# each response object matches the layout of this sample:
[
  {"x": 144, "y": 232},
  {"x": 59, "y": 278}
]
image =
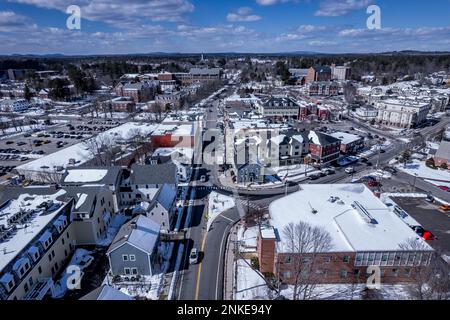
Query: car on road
[
  {"x": 369, "y": 164},
  {"x": 445, "y": 207},
  {"x": 203, "y": 178},
  {"x": 444, "y": 188},
  {"x": 314, "y": 177},
  {"x": 193, "y": 256},
  {"x": 349, "y": 170},
  {"x": 9, "y": 142}
]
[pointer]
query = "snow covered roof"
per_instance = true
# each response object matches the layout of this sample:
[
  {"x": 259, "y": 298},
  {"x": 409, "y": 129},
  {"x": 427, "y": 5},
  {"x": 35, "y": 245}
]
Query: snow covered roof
[
  {"x": 106, "y": 292},
  {"x": 141, "y": 232},
  {"x": 355, "y": 219},
  {"x": 85, "y": 175},
  {"x": 80, "y": 151},
  {"x": 21, "y": 238},
  {"x": 346, "y": 138}
]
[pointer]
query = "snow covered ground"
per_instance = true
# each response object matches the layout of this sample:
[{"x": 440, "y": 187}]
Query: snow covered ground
[
  {"x": 218, "y": 203},
  {"x": 113, "y": 228},
  {"x": 422, "y": 171},
  {"x": 147, "y": 288},
  {"x": 247, "y": 238},
  {"x": 251, "y": 286},
  {"x": 79, "y": 259},
  {"x": 294, "y": 171}
]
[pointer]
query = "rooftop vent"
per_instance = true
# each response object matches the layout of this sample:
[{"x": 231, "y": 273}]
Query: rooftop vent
[{"x": 363, "y": 213}]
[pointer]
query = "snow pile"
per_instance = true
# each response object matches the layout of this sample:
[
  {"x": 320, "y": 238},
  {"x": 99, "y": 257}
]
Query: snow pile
[{"x": 218, "y": 203}]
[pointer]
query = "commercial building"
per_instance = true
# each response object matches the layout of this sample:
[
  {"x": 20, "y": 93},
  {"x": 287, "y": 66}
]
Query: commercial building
[
  {"x": 279, "y": 107},
  {"x": 402, "y": 113},
  {"x": 359, "y": 231}
]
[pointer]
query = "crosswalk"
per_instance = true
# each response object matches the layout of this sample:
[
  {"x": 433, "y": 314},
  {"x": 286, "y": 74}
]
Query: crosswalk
[{"x": 245, "y": 203}]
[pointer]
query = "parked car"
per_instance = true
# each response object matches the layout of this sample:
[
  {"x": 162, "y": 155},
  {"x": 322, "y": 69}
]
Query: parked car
[
  {"x": 193, "y": 256},
  {"x": 203, "y": 178},
  {"x": 444, "y": 188},
  {"x": 445, "y": 207}
]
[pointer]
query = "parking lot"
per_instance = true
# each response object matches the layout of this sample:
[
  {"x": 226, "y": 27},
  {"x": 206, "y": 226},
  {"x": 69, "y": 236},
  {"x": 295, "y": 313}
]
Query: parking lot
[
  {"x": 431, "y": 218},
  {"x": 31, "y": 145}
]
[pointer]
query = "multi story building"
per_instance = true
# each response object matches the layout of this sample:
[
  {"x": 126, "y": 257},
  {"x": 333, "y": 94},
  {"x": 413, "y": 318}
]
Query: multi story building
[
  {"x": 323, "y": 148},
  {"x": 350, "y": 143},
  {"x": 39, "y": 229},
  {"x": 139, "y": 91},
  {"x": 279, "y": 107},
  {"x": 324, "y": 88},
  {"x": 322, "y": 73},
  {"x": 359, "y": 229},
  {"x": 402, "y": 114},
  {"x": 340, "y": 73}
]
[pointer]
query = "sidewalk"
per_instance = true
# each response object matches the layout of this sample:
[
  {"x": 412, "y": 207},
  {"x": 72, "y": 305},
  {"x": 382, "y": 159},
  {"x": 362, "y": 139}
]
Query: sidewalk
[{"x": 229, "y": 274}]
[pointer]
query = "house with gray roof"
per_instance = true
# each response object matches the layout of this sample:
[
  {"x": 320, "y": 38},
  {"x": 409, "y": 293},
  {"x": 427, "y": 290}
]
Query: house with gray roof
[
  {"x": 108, "y": 293},
  {"x": 134, "y": 250}
]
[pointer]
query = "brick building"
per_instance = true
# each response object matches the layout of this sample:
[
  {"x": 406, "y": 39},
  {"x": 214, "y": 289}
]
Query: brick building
[
  {"x": 361, "y": 229},
  {"x": 322, "y": 73},
  {"x": 323, "y": 148}
]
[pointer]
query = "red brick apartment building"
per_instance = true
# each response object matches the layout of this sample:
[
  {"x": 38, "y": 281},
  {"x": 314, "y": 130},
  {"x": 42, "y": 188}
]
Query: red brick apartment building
[
  {"x": 363, "y": 230},
  {"x": 323, "y": 148},
  {"x": 322, "y": 73}
]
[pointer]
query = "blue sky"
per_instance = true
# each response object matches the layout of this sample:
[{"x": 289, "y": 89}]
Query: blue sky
[{"x": 140, "y": 26}]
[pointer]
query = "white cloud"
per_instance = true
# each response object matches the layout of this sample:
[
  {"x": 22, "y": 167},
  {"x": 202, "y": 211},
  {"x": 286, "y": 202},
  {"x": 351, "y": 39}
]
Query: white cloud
[
  {"x": 335, "y": 8},
  {"x": 272, "y": 2},
  {"x": 243, "y": 14},
  {"x": 118, "y": 12}
]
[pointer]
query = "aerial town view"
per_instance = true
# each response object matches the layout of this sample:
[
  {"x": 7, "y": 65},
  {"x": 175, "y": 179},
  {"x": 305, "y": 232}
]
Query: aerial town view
[{"x": 240, "y": 150}]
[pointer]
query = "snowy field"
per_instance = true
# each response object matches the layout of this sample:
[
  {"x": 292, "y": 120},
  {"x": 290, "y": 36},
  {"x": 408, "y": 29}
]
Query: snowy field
[
  {"x": 218, "y": 203},
  {"x": 422, "y": 171}
]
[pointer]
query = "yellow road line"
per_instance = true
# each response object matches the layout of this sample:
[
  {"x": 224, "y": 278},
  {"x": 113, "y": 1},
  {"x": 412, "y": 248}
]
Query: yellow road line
[{"x": 197, "y": 289}]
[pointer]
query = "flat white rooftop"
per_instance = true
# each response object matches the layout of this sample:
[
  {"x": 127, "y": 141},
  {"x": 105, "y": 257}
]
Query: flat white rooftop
[{"x": 348, "y": 226}]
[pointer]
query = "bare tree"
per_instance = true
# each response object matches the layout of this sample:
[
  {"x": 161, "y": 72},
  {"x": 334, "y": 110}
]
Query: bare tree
[
  {"x": 430, "y": 275},
  {"x": 48, "y": 176},
  {"x": 102, "y": 148},
  {"x": 304, "y": 242}
]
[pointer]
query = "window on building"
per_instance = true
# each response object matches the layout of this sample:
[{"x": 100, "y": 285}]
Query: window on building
[
  {"x": 343, "y": 273},
  {"x": 134, "y": 271},
  {"x": 132, "y": 257},
  {"x": 395, "y": 272},
  {"x": 286, "y": 274},
  {"x": 125, "y": 257},
  {"x": 327, "y": 259},
  {"x": 356, "y": 272},
  {"x": 53, "y": 253},
  {"x": 49, "y": 257},
  {"x": 25, "y": 287},
  {"x": 407, "y": 272},
  {"x": 127, "y": 271},
  {"x": 62, "y": 241},
  {"x": 30, "y": 281},
  {"x": 40, "y": 269},
  {"x": 346, "y": 259}
]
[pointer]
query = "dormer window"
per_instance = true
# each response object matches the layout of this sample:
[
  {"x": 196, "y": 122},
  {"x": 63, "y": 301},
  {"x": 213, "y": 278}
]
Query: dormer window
[{"x": 8, "y": 281}]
